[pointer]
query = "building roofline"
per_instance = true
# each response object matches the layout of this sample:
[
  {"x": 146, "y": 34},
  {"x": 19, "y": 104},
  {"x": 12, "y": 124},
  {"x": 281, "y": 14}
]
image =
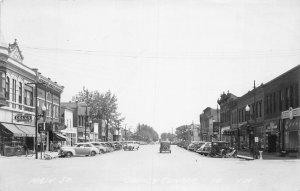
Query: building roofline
[{"x": 281, "y": 75}]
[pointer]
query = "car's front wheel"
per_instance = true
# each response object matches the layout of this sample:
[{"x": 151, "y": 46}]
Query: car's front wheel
[
  {"x": 93, "y": 153},
  {"x": 69, "y": 154}
]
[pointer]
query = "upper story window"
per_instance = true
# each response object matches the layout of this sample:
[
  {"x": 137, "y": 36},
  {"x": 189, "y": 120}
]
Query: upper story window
[
  {"x": 14, "y": 90},
  {"x": 2, "y": 83},
  {"x": 28, "y": 95},
  {"x": 20, "y": 92},
  {"x": 7, "y": 88}
]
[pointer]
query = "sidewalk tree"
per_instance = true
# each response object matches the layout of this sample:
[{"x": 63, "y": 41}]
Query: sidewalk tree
[
  {"x": 145, "y": 133},
  {"x": 102, "y": 106}
]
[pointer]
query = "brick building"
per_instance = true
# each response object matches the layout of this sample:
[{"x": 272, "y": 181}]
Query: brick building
[
  {"x": 207, "y": 119},
  {"x": 281, "y": 99}
]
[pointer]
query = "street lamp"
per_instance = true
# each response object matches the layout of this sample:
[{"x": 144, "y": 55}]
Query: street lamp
[{"x": 247, "y": 109}]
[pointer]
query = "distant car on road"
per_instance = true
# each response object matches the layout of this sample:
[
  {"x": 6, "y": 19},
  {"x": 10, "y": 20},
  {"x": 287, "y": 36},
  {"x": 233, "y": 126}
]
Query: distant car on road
[
  {"x": 131, "y": 145},
  {"x": 165, "y": 146},
  {"x": 81, "y": 149}
]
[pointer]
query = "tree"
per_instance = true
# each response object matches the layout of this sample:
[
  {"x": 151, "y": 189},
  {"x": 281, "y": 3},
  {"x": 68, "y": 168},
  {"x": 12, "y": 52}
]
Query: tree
[
  {"x": 102, "y": 106},
  {"x": 145, "y": 133},
  {"x": 167, "y": 137}
]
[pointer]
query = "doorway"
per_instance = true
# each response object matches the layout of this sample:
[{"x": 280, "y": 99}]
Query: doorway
[{"x": 272, "y": 143}]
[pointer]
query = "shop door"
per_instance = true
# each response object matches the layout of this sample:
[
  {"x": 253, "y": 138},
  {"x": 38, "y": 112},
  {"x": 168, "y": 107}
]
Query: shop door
[{"x": 272, "y": 143}]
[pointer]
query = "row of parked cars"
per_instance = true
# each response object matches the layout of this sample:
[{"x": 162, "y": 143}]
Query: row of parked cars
[
  {"x": 213, "y": 149},
  {"x": 94, "y": 148}
]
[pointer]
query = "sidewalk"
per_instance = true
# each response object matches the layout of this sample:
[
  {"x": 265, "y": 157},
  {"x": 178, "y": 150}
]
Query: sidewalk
[
  {"x": 49, "y": 155},
  {"x": 267, "y": 156}
]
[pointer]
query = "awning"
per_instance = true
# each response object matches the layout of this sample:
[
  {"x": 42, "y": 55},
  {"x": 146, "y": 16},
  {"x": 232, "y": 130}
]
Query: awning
[
  {"x": 59, "y": 137},
  {"x": 29, "y": 130},
  {"x": 14, "y": 130}
]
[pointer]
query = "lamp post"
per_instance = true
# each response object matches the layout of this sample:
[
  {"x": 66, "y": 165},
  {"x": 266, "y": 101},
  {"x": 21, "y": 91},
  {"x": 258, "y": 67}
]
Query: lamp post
[{"x": 247, "y": 109}]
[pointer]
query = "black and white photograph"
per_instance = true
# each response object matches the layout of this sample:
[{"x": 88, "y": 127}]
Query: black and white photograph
[{"x": 149, "y": 95}]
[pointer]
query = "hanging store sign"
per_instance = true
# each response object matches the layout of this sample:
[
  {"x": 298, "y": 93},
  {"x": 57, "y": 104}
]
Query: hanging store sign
[
  {"x": 25, "y": 118},
  {"x": 290, "y": 114}
]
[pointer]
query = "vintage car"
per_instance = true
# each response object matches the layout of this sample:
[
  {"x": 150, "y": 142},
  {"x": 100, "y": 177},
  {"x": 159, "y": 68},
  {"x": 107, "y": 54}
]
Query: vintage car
[
  {"x": 81, "y": 149},
  {"x": 165, "y": 146},
  {"x": 131, "y": 145},
  {"x": 100, "y": 147},
  {"x": 219, "y": 148},
  {"x": 205, "y": 149}
]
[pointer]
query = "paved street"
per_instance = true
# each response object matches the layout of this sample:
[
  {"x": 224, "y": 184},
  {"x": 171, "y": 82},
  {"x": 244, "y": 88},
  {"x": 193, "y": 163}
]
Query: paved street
[{"x": 146, "y": 170}]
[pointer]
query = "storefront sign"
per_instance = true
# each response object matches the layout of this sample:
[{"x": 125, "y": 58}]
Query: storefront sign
[
  {"x": 292, "y": 125},
  {"x": 21, "y": 117},
  {"x": 290, "y": 114},
  {"x": 256, "y": 139}
]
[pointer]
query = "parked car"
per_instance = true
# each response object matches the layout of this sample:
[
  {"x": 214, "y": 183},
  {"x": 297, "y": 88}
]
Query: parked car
[
  {"x": 205, "y": 149},
  {"x": 219, "y": 148},
  {"x": 81, "y": 149},
  {"x": 131, "y": 145},
  {"x": 100, "y": 147},
  {"x": 117, "y": 145},
  {"x": 192, "y": 145},
  {"x": 198, "y": 145},
  {"x": 165, "y": 146}
]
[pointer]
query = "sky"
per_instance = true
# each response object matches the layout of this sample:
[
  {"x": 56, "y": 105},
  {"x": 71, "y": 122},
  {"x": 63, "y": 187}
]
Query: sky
[{"x": 165, "y": 60}]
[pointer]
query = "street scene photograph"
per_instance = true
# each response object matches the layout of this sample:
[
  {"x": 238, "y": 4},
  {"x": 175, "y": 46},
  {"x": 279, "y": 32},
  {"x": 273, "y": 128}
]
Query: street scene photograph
[{"x": 149, "y": 95}]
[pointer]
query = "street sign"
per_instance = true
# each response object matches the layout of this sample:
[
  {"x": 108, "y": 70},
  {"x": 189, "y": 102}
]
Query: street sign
[
  {"x": 21, "y": 117},
  {"x": 256, "y": 139}
]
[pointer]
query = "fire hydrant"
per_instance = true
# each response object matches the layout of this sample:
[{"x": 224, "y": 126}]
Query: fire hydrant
[{"x": 260, "y": 155}]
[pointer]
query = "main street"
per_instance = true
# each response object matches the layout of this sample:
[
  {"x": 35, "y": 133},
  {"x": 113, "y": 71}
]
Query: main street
[{"x": 147, "y": 170}]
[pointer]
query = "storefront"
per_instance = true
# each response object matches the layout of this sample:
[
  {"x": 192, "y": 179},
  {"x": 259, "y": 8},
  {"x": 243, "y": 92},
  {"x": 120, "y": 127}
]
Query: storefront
[
  {"x": 71, "y": 135},
  {"x": 271, "y": 137},
  {"x": 291, "y": 130},
  {"x": 14, "y": 137}
]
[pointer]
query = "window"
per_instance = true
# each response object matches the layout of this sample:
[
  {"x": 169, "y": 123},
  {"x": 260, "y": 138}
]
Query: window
[
  {"x": 296, "y": 95},
  {"x": 271, "y": 103},
  {"x": 292, "y": 97},
  {"x": 280, "y": 100},
  {"x": 7, "y": 88},
  {"x": 2, "y": 83},
  {"x": 28, "y": 95},
  {"x": 20, "y": 92},
  {"x": 260, "y": 109},
  {"x": 274, "y": 102},
  {"x": 287, "y": 95},
  {"x": 14, "y": 91},
  {"x": 267, "y": 104}
]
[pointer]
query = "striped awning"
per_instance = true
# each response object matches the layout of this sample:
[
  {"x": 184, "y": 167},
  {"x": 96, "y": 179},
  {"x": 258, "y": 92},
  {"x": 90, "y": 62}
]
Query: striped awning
[
  {"x": 14, "y": 130},
  {"x": 29, "y": 130}
]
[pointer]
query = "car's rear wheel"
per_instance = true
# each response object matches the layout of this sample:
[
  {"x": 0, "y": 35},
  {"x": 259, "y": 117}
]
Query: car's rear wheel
[
  {"x": 93, "y": 153},
  {"x": 69, "y": 154}
]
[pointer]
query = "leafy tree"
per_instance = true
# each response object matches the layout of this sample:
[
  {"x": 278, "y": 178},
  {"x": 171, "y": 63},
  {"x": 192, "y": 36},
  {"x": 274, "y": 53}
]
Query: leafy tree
[
  {"x": 102, "y": 106},
  {"x": 145, "y": 133},
  {"x": 167, "y": 136}
]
